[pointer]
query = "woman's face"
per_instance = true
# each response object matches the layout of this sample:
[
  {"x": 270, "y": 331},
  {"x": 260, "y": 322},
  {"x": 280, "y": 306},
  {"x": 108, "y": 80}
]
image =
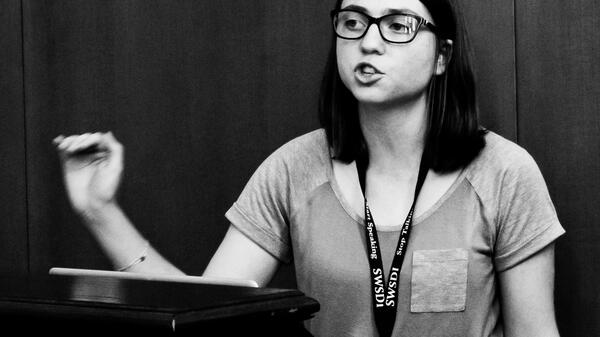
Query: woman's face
[{"x": 382, "y": 73}]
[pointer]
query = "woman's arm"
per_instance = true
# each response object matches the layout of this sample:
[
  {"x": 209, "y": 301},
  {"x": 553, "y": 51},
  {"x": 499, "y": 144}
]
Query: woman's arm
[
  {"x": 527, "y": 294},
  {"x": 92, "y": 168},
  {"x": 92, "y": 165},
  {"x": 240, "y": 257},
  {"x": 237, "y": 257},
  {"x": 123, "y": 244}
]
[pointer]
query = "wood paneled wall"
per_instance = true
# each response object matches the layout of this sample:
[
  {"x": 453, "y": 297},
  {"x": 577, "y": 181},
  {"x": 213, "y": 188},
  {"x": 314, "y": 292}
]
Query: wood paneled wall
[
  {"x": 201, "y": 92},
  {"x": 559, "y": 123},
  {"x": 494, "y": 61},
  {"x": 198, "y": 94},
  {"x": 13, "y": 212}
]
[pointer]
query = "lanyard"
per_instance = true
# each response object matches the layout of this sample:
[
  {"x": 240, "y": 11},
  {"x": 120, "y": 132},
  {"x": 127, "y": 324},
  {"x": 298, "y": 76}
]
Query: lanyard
[{"x": 385, "y": 299}]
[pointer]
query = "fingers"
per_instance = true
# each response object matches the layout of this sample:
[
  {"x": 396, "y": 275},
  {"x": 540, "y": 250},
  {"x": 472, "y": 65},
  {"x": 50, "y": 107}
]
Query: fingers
[
  {"x": 87, "y": 143},
  {"x": 111, "y": 143},
  {"x": 72, "y": 144},
  {"x": 115, "y": 161},
  {"x": 56, "y": 141},
  {"x": 80, "y": 142}
]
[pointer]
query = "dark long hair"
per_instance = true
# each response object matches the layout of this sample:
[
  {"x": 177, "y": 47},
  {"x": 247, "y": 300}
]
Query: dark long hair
[{"x": 454, "y": 137}]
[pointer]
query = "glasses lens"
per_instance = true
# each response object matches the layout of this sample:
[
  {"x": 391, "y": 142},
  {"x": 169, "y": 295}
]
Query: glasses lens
[
  {"x": 350, "y": 25},
  {"x": 399, "y": 28}
]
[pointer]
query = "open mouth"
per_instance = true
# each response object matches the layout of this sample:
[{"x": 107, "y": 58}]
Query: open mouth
[
  {"x": 367, "y": 69},
  {"x": 366, "y": 73}
]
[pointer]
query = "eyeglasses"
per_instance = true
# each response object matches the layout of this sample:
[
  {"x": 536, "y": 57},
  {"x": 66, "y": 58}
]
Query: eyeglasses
[{"x": 394, "y": 28}]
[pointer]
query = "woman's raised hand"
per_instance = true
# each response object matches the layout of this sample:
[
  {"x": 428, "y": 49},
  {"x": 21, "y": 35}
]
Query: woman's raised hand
[{"x": 92, "y": 165}]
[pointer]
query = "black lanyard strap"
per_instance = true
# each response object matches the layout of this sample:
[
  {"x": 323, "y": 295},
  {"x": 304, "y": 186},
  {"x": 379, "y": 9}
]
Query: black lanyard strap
[{"x": 385, "y": 299}]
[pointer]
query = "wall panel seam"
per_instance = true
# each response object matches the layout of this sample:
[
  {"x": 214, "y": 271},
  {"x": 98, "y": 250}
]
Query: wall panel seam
[
  {"x": 25, "y": 148},
  {"x": 516, "y": 63}
]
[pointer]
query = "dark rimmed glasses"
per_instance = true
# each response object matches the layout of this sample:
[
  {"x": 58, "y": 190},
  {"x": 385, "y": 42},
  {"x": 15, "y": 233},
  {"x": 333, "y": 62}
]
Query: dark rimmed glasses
[{"x": 393, "y": 28}]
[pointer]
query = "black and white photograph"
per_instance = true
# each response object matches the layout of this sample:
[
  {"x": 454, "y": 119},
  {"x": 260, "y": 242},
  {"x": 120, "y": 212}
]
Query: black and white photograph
[{"x": 343, "y": 168}]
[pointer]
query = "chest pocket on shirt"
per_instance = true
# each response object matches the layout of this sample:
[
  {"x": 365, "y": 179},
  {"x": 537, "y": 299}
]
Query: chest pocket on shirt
[{"x": 439, "y": 280}]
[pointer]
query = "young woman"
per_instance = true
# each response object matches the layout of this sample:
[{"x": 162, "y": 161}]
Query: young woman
[{"x": 403, "y": 217}]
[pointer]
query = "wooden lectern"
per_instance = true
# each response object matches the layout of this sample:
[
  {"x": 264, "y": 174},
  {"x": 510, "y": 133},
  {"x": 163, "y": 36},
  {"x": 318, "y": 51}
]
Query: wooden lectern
[{"x": 84, "y": 305}]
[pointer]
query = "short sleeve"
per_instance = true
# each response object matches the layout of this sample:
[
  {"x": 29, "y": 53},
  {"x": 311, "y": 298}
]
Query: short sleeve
[
  {"x": 527, "y": 220},
  {"x": 261, "y": 211}
]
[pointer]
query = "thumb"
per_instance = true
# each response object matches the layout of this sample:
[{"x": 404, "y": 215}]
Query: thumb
[{"x": 115, "y": 160}]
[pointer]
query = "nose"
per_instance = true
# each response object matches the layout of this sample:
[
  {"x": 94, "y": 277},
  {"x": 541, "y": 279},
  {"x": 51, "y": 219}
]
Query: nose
[{"x": 372, "y": 42}]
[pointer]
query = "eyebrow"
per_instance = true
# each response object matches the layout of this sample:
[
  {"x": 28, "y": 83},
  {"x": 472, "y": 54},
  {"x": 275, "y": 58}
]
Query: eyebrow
[{"x": 386, "y": 12}]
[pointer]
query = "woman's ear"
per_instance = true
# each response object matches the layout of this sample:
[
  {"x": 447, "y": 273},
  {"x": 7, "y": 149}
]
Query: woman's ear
[{"x": 444, "y": 56}]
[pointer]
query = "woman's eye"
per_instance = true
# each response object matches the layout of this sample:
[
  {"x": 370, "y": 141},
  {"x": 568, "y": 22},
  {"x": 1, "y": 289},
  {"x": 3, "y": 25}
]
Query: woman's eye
[
  {"x": 353, "y": 24},
  {"x": 399, "y": 28}
]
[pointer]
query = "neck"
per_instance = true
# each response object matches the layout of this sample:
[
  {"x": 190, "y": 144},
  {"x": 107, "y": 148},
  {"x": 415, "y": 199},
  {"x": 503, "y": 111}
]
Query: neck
[{"x": 395, "y": 135}]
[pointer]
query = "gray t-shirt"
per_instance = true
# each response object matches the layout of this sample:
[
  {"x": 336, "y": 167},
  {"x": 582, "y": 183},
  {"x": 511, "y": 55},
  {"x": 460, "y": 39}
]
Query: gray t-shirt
[{"x": 495, "y": 215}]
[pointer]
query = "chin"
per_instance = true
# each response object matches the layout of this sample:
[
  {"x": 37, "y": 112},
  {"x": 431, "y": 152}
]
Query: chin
[
  {"x": 371, "y": 98},
  {"x": 385, "y": 99}
]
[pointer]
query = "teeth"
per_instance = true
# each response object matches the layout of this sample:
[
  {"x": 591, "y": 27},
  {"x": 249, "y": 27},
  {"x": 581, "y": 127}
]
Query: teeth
[{"x": 368, "y": 69}]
